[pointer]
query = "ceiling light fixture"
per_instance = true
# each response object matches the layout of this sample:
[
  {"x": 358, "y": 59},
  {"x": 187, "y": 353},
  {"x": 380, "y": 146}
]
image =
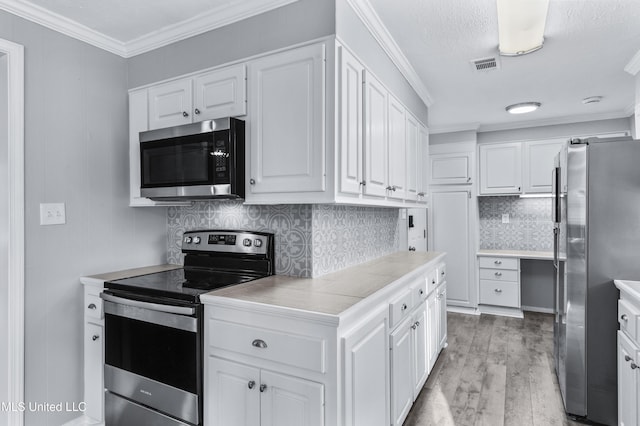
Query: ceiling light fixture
[
  {"x": 523, "y": 107},
  {"x": 521, "y": 26}
]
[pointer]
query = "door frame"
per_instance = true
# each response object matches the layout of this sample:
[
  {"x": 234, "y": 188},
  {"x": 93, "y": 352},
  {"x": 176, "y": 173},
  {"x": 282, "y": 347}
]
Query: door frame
[{"x": 16, "y": 273}]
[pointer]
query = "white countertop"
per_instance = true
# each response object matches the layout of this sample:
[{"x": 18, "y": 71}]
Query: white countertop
[
  {"x": 332, "y": 293},
  {"x": 98, "y": 280},
  {"x": 632, "y": 288},
  {"x": 522, "y": 254}
]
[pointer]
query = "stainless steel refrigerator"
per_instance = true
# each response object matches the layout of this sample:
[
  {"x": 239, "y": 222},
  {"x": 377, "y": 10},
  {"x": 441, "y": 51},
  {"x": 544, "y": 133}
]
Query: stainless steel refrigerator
[{"x": 597, "y": 228}]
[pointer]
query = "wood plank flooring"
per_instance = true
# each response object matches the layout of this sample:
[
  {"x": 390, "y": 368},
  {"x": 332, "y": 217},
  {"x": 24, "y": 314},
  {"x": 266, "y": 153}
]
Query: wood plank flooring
[{"x": 495, "y": 371}]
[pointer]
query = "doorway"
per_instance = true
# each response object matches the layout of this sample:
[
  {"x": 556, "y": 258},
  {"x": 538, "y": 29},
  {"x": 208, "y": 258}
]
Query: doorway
[{"x": 11, "y": 232}]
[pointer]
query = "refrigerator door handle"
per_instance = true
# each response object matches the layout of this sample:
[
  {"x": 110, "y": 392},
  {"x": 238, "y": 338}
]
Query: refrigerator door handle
[{"x": 556, "y": 248}]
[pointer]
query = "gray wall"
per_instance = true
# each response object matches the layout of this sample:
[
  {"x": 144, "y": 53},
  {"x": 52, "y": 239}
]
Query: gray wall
[
  {"x": 76, "y": 152},
  {"x": 297, "y": 22},
  {"x": 536, "y": 285},
  {"x": 4, "y": 231},
  {"x": 351, "y": 31}
]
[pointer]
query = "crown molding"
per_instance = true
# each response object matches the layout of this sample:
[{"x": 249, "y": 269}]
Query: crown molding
[
  {"x": 372, "y": 21},
  {"x": 554, "y": 121},
  {"x": 208, "y": 21},
  {"x": 469, "y": 127},
  {"x": 633, "y": 67}
]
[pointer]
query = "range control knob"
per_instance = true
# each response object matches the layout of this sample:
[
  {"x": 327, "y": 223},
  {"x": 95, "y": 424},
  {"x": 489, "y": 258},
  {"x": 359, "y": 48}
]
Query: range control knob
[
  {"x": 196, "y": 240},
  {"x": 246, "y": 242},
  {"x": 257, "y": 242},
  {"x": 188, "y": 240}
]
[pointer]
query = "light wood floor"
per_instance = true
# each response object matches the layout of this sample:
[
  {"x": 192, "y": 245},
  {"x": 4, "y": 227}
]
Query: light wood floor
[{"x": 495, "y": 371}]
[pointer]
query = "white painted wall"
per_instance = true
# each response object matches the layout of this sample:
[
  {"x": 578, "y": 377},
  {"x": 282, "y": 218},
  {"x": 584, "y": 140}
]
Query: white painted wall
[
  {"x": 4, "y": 236},
  {"x": 76, "y": 152}
]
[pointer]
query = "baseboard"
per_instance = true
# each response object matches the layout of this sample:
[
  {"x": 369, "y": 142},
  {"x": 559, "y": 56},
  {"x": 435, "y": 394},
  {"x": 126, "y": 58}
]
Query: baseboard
[
  {"x": 537, "y": 309},
  {"x": 500, "y": 310},
  {"x": 83, "y": 421},
  {"x": 462, "y": 310}
]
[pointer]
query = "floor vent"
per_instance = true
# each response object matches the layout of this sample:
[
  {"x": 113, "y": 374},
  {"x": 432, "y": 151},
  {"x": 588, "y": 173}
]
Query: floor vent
[{"x": 485, "y": 64}]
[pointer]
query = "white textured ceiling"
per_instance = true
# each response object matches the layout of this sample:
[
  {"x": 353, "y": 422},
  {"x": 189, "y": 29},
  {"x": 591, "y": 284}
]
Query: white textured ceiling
[{"x": 587, "y": 45}]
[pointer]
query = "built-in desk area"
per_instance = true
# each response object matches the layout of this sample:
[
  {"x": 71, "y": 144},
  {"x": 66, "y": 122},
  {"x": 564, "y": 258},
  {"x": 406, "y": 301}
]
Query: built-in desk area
[{"x": 513, "y": 281}]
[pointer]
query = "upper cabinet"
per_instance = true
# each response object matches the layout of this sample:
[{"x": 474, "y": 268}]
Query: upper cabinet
[
  {"x": 214, "y": 94},
  {"x": 397, "y": 146},
  {"x": 517, "y": 167},
  {"x": 376, "y": 137},
  {"x": 451, "y": 169},
  {"x": 287, "y": 119}
]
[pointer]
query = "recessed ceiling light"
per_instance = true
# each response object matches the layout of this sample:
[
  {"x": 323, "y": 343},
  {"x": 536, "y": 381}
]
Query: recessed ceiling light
[
  {"x": 523, "y": 107},
  {"x": 592, "y": 100}
]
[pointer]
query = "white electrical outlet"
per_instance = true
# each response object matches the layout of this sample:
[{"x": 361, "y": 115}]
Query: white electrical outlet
[
  {"x": 505, "y": 218},
  {"x": 52, "y": 214}
]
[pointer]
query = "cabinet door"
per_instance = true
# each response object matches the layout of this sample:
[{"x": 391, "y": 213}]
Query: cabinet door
[
  {"x": 401, "y": 372},
  {"x": 538, "y": 164},
  {"x": 397, "y": 149},
  {"x": 376, "y": 138},
  {"x": 290, "y": 401},
  {"x": 93, "y": 375},
  {"x": 287, "y": 116},
  {"x": 441, "y": 300},
  {"x": 232, "y": 394},
  {"x": 412, "y": 159},
  {"x": 366, "y": 373},
  {"x": 351, "y": 75},
  {"x": 450, "y": 169},
  {"x": 627, "y": 382},
  {"x": 170, "y": 104},
  {"x": 420, "y": 345},
  {"x": 432, "y": 329},
  {"x": 450, "y": 232},
  {"x": 220, "y": 93},
  {"x": 423, "y": 163},
  {"x": 501, "y": 168}
]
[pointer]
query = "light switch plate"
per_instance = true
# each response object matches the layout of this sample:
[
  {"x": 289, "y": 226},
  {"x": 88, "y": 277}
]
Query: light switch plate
[
  {"x": 505, "y": 218},
  {"x": 52, "y": 214}
]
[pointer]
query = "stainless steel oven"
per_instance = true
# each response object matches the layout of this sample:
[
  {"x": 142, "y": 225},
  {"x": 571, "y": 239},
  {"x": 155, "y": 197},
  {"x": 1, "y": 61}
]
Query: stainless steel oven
[{"x": 154, "y": 328}]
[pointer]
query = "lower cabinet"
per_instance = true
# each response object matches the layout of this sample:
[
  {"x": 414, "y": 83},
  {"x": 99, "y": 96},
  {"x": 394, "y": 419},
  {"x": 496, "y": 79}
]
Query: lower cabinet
[
  {"x": 441, "y": 314},
  {"x": 93, "y": 354},
  {"x": 244, "y": 395},
  {"x": 628, "y": 381}
]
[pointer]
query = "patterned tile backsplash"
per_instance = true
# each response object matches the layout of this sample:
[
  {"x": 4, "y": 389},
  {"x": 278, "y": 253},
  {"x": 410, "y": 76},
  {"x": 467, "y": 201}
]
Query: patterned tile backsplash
[
  {"x": 529, "y": 227},
  {"x": 311, "y": 240}
]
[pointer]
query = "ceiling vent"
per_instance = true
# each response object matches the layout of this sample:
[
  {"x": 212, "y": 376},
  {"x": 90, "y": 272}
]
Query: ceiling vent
[{"x": 485, "y": 64}]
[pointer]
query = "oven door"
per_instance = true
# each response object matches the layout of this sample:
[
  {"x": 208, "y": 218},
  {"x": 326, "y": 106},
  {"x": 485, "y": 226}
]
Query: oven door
[{"x": 153, "y": 356}]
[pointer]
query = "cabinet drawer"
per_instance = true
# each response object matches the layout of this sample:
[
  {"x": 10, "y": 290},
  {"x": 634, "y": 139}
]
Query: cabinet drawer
[
  {"x": 628, "y": 318},
  {"x": 420, "y": 289},
  {"x": 442, "y": 273},
  {"x": 93, "y": 306},
  {"x": 498, "y": 274},
  {"x": 500, "y": 293},
  {"x": 499, "y": 262},
  {"x": 432, "y": 280},
  {"x": 399, "y": 309},
  {"x": 296, "y": 350}
]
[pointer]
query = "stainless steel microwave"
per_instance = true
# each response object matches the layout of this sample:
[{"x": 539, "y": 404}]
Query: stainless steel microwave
[{"x": 202, "y": 160}]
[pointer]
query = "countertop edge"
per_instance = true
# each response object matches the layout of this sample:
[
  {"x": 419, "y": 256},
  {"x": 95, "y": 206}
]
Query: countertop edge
[
  {"x": 627, "y": 286},
  {"x": 521, "y": 254},
  {"x": 99, "y": 279}
]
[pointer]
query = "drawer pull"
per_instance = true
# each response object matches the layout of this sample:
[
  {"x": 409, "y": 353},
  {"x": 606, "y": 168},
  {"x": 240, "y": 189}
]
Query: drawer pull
[
  {"x": 627, "y": 358},
  {"x": 413, "y": 326},
  {"x": 498, "y": 290},
  {"x": 498, "y": 274},
  {"x": 498, "y": 262},
  {"x": 421, "y": 292},
  {"x": 92, "y": 306},
  {"x": 417, "y": 323},
  {"x": 442, "y": 273},
  {"x": 263, "y": 387},
  {"x": 624, "y": 317},
  {"x": 95, "y": 337},
  {"x": 259, "y": 343},
  {"x": 433, "y": 281},
  {"x": 251, "y": 384},
  {"x": 404, "y": 307},
  {"x": 633, "y": 366}
]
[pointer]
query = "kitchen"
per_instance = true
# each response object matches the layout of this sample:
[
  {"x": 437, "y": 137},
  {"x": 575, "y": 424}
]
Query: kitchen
[{"x": 76, "y": 126}]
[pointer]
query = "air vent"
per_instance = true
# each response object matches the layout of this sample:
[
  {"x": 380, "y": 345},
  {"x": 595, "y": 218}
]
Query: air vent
[{"x": 485, "y": 64}]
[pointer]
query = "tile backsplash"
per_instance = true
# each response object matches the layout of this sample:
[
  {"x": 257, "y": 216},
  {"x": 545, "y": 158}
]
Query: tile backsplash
[
  {"x": 310, "y": 240},
  {"x": 529, "y": 228}
]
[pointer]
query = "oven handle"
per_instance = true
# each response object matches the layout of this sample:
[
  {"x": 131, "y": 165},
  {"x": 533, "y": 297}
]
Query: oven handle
[{"x": 170, "y": 309}]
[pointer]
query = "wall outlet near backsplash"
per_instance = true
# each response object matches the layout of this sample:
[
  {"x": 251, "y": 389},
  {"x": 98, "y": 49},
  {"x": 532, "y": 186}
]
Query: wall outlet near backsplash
[{"x": 528, "y": 226}]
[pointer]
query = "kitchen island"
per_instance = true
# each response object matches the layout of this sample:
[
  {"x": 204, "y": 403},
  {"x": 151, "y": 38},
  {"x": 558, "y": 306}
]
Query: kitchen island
[{"x": 348, "y": 348}]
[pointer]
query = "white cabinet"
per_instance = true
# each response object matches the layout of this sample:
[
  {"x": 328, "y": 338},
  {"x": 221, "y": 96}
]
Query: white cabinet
[
  {"x": 93, "y": 353},
  {"x": 501, "y": 168},
  {"x": 441, "y": 314},
  {"x": 413, "y": 158},
  {"x": 450, "y": 169},
  {"x": 244, "y": 395},
  {"x": 423, "y": 166},
  {"x": 499, "y": 279},
  {"x": 351, "y": 123},
  {"x": 287, "y": 118},
  {"x": 397, "y": 146},
  {"x": 366, "y": 372},
  {"x": 213, "y": 94},
  {"x": 538, "y": 163},
  {"x": 376, "y": 137},
  {"x": 628, "y": 380}
]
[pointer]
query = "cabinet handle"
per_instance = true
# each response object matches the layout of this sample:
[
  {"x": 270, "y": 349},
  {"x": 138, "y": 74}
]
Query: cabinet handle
[
  {"x": 442, "y": 273},
  {"x": 498, "y": 262},
  {"x": 469, "y": 179},
  {"x": 92, "y": 306},
  {"x": 185, "y": 114},
  {"x": 421, "y": 292},
  {"x": 417, "y": 323},
  {"x": 389, "y": 188},
  {"x": 251, "y": 384},
  {"x": 259, "y": 343},
  {"x": 420, "y": 194},
  {"x": 433, "y": 281},
  {"x": 627, "y": 358},
  {"x": 363, "y": 183},
  {"x": 498, "y": 290},
  {"x": 624, "y": 317},
  {"x": 252, "y": 181},
  {"x": 413, "y": 326},
  {"x": 197, "y": 111},
  {"x": 633, "y": 366},
  {"x": 263, "y": 387},
  {"x": 518, "y": 188},
  {"x": 95, "y": 337},
  {"x": 411, "y": 248},
  {"x": 498, "y": 274},
  {"x": 393, "y": 188},
  {"x": 404, "y": 307}
]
